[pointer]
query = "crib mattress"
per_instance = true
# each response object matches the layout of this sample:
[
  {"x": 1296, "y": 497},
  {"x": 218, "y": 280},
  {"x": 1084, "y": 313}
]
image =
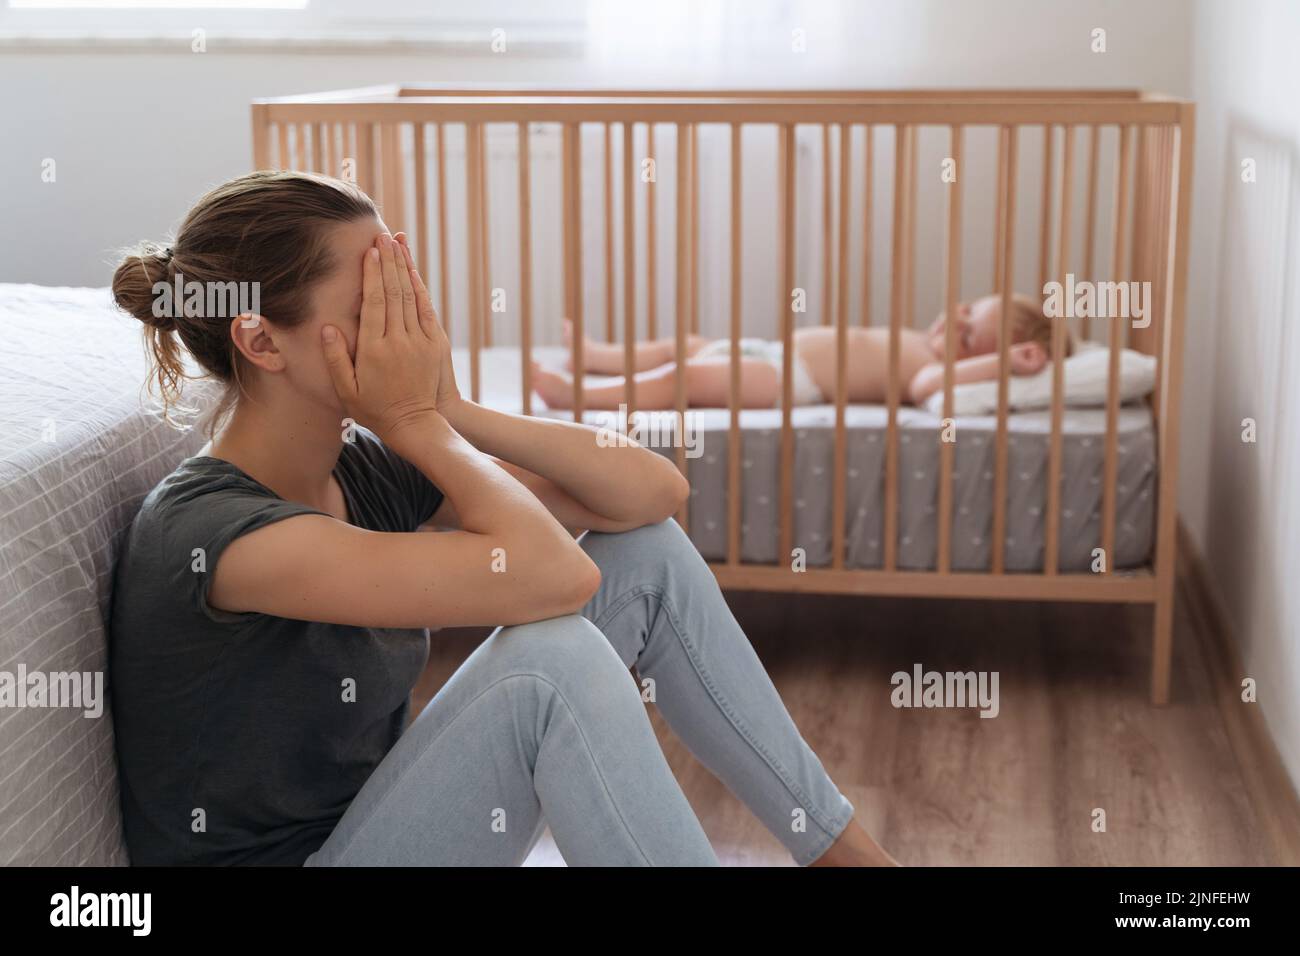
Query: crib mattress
[{"x": 1083, "y": 460}]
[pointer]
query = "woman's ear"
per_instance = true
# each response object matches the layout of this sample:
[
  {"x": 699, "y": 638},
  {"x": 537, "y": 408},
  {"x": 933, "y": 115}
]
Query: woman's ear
[{"x": 251, "y": 334}]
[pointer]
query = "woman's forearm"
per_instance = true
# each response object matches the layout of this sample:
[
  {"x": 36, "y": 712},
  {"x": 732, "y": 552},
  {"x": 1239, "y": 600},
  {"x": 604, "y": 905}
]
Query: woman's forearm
[
  {"x": 549, "y": 573},
  {"x": 487, "y": 499},
  {"x": 618, "y": 480}
]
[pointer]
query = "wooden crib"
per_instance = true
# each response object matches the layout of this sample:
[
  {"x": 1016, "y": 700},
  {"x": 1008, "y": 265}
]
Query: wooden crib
[{"x": 393, "y": 141}]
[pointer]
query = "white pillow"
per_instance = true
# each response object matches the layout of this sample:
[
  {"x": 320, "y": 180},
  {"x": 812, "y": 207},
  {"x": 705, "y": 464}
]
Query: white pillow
[{"x": 1087, "y": 374}]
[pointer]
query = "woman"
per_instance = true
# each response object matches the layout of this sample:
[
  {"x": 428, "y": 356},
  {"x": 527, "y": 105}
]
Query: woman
[{"x": 272, "y": 599}]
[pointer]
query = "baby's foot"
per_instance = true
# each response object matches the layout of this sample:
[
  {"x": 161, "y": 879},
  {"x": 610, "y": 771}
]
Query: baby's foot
[{"x": 555, "y": 387}]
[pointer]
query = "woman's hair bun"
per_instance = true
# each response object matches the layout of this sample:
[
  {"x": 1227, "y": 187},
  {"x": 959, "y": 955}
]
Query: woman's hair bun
[{"x": 133, "y": 284}]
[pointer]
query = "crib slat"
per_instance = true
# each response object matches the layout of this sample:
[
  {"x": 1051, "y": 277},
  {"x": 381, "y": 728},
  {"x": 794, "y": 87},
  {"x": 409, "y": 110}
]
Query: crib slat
[
  {"x": 393, "y": 200},
  {"x": 898, "y": 301},
  {"x": 609, "y": 232},
  {"x": 348, "y": 137},
  {"x": 572, "y": 197},
  {"x": 318, "y": 147},
  {"x": 1045, "y": 217},
  {"x": 629, "y": 269},
  {"x": 1181, "y": 156},
  {"x": 526, "y": 264},
  {"x": 868, "y": 212},
  {"x": 421, "y": 199},
  {"x": 286, "y": 157},
  {"x": 327, "y": 154},
  {"x": 1008, "y": 195},
  {"x": 839, "y": 491},
  {"x": 1090, "y": 222},
  {"x": 733, "y": 391},
  {"x": 828, "y": 228},
  {"x": 485, "y": 220},
  {"x": 952, "y": 291},
  {"x": 1137, "y": 265},
  {"x": 693, "y": 180},
  {"x": 909, "y": 251},
  {"x": 1000, "y": 209},
  {"x": 651, "y": 243},
  {"x": 472, "y": 248},
  {"x": 1060, "y": 328},
  {"x": 261, "y": 137},
  {"x": 323, "y": 134},
  {"x": 682, "y": 316},
  {"x": 789, "y": 160},
  {"x": 1153, "y": 335},
  {"x": 365, "y": 158},
  {"x": 444, "y": 271},
  {"x": 1110, "y": 476},
  {"x": 1140, "y": 338}
]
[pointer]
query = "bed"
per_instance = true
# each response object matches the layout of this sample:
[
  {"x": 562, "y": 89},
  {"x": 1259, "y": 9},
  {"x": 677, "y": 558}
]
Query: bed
[{"x": 77, "y": 456}]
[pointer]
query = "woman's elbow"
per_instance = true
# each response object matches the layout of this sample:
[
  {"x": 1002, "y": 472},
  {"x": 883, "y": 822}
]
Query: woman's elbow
[
  {"x": 576, "y": 584},
  {"x": 676, "y": 492},
  {"x": 659, "y": 496}
]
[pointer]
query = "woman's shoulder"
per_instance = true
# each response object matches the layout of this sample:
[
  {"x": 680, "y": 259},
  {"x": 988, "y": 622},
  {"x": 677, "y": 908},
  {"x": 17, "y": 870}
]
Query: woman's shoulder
[
  {"x": 204, "y": 503},
  {"x": 181, "y": 530},
  {"x": 197, "y": 482}
]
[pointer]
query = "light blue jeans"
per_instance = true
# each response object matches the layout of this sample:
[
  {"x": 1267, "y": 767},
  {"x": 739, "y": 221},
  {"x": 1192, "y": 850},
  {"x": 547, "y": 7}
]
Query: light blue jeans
[{"x": 543, "y": 724}]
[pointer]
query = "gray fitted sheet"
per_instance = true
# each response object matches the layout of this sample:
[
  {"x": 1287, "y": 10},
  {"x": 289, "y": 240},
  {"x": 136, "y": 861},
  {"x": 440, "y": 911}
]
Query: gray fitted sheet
[{"x": 1083, "y": 457}]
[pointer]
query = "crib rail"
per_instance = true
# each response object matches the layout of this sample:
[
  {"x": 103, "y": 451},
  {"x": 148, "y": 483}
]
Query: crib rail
[{"x": 1149, "y": 167}]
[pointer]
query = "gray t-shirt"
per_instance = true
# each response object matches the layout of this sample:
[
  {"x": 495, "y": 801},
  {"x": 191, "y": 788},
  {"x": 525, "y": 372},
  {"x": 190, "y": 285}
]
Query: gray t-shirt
[{"x": 243, "y": 737}]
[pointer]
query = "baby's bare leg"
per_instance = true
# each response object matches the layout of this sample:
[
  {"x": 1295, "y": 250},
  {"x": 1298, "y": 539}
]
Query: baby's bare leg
[
  {"x": 708, "y": 382},
  {"x": 708, "y": 385},
  {"x": 606, "y": 358}
]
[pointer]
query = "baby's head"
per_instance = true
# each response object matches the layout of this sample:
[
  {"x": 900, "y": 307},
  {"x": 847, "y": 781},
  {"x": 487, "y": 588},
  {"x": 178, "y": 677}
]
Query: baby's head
[{"x": 977, "y": 327}]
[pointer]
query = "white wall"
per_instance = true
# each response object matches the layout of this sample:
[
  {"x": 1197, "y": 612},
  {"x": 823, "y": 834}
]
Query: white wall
[{"x": 1241, "y": 501}]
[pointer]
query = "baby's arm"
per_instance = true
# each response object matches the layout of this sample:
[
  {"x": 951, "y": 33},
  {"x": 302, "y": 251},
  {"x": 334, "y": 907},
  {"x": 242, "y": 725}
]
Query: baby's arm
[{"x": 1027, "y": 358}]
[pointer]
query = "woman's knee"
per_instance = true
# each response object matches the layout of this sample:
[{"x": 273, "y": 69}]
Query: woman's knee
[
  {"x": 569, "y": 646},
  {"x": 566, "y": 656},
  {"x": 651, "y": 549}
]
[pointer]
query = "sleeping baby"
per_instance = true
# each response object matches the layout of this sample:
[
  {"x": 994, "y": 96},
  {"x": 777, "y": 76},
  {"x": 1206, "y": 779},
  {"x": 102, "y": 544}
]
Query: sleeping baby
[{"x": 708, "y": 363}]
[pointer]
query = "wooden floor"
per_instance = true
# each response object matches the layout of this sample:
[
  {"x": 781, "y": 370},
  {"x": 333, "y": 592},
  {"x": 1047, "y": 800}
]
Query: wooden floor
[{"x": 1075, "y": 733}]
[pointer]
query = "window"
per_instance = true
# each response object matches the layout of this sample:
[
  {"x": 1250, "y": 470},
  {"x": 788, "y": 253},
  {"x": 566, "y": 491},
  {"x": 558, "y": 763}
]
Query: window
[{"x": 330, "y": 22}]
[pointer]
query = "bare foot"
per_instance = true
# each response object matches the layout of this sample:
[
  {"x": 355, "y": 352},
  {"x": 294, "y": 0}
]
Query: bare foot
[
  {"x": 556, "y": 388},
  {"x": 855, "y": 847}
]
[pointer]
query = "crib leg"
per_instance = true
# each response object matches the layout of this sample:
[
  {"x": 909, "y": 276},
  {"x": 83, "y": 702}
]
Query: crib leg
[{"x": 1162, "y": 646}]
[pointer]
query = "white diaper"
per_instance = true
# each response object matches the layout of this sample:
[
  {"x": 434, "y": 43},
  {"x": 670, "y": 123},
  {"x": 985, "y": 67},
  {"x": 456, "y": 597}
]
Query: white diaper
[{"x": 771, "y": 351}]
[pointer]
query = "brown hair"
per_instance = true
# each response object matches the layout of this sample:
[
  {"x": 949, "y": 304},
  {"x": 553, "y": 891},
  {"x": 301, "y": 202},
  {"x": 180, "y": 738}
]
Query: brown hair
[
  {"x": 1029, "y": 323},
  {"x": 268, "y": 228}
]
